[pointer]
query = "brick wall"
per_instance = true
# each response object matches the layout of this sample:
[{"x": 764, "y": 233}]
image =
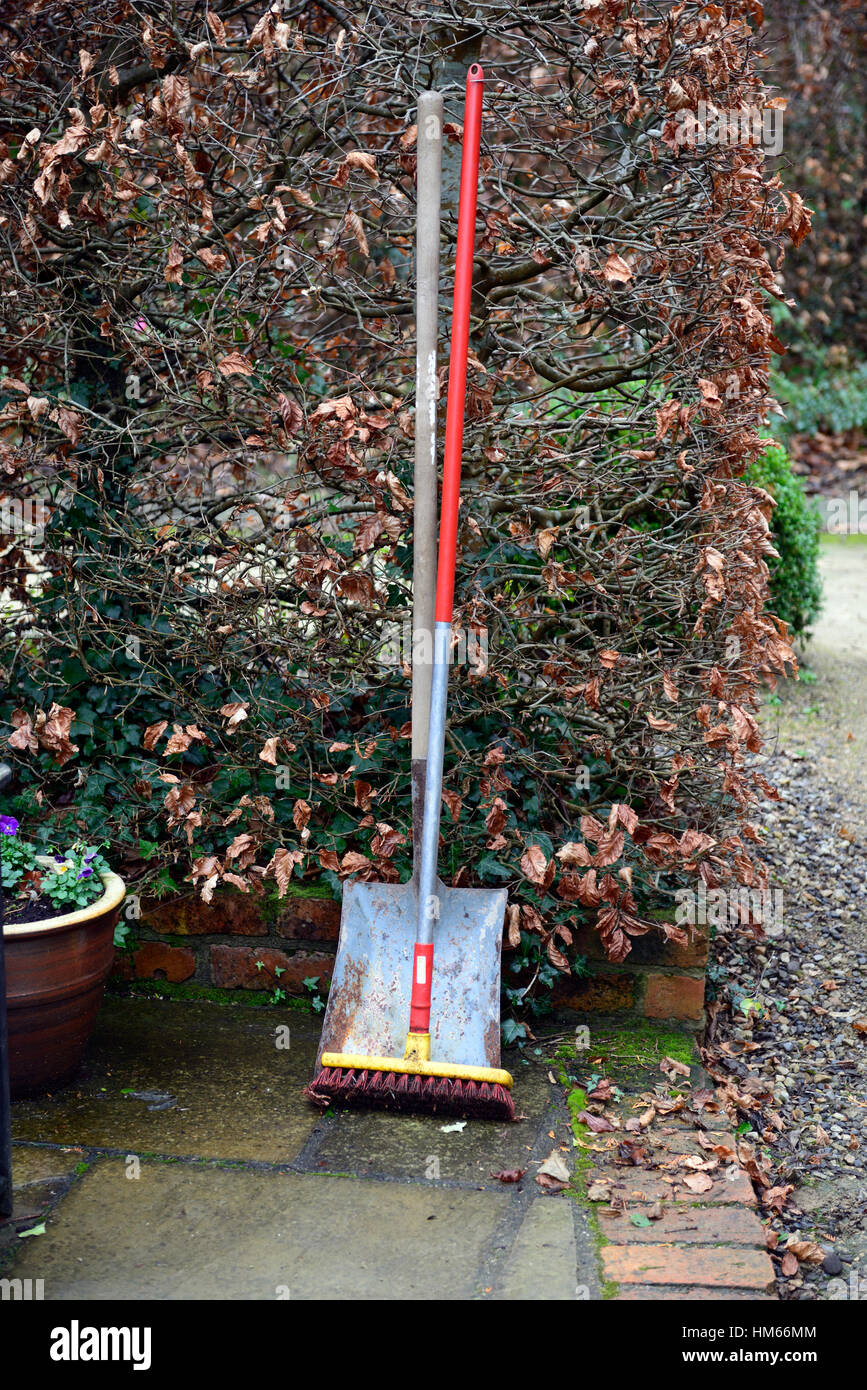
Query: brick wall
[
  {"x": 657, "y": 980},
  {"x": 242, "y": 942},
  {"x": 236, "y": 942}
]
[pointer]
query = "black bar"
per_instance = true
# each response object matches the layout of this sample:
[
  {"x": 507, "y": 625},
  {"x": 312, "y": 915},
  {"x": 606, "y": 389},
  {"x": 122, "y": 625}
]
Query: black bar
[{"x": 5, "y": 1111}]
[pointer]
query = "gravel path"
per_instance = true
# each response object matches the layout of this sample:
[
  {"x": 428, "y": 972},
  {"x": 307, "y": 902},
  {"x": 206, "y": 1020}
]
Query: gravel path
[{"x": 792, "y": 1023}]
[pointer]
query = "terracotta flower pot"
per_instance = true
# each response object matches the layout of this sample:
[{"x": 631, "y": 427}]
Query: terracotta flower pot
[{"x": 56, "y": 971}]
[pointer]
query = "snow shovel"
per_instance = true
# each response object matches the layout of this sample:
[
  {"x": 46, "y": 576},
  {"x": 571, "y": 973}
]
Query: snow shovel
[{"x": 413, "y": 1014}]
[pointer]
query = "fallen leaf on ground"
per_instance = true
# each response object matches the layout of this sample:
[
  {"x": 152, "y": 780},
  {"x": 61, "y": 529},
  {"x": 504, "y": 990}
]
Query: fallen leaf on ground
[
  {"x": 698, "y": 1182},
  {"x": 775, "y": 1198},
  {"x": 672, "y": 1067},
  {"x": 596, "y": 1123},
  {"x": 807, "y": 1251},
  {"x": 34, "y": 1231},
  {"x": 599, "y": 1191},
  {"x": 553, "y": 1173},
  {"x": 628, "y": 1151},
  {"x": 603, "y": 1091}
]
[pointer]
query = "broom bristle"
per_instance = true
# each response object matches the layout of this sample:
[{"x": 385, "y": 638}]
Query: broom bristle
[{"x": 433, "y": 1095}]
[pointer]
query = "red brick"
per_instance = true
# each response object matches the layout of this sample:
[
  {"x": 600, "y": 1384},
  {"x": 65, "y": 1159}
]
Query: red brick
[
  {"x": 678, "y": 1141},
  {"x": 230, "y": 914},
  {"x": 154, "y": 960},
  {"x": 715, "y": 1225},
  {"x": 599, "y": 993},
  {"x": 659, "y": 1293},
  {"x": 650, "y": 949},
  {"x": 698, "y": 1266},
  {"x": 673, "y": 996},
  {"x": 237, "y": 967},
  {"x": 123, "y": 968},
  {"x": 309, "y": 919},
  {"x": 640, "y": 1186}
]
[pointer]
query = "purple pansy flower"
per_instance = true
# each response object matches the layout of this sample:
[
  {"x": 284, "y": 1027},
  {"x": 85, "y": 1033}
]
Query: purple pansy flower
[
  {"x": 8, "y": 825},
  {"x": 86, "y": 873}
]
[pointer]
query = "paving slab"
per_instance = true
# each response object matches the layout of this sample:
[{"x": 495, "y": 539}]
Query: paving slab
[
  {"x": 212, "y": 1083},
  {"x": 376, "y": 1206},
  {"x": 34, "y": 1164},
  {"x": 185, "y": 1230},
  {"x": 370, "y": 1143},
  {"x": 39, "y": 1177},
  {"x": 543, "y": 1264}
]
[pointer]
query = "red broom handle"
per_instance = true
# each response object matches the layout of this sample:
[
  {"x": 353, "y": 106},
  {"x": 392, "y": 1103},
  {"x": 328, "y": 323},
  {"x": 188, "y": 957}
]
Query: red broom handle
[{"x": 459, "y": 345}]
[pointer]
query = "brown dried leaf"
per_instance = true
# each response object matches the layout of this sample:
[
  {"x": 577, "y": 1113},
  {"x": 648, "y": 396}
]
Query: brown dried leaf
[
  {"x": 534, "y": 864},
  {"x": 556, "y": 957},
  {"x": 173, "y": 273},
  {"x": 361, "y": 159},
  {"x": 597, "y": 1124},
  {"x": 698, "y": 1182},
  {"x": 616, "y": 271},
  {"x": 807, "y": 1251},
  {"x": 235, "y": 364},
  {"x": 269, "y": 751},
  {"x": 357, "y": 227},
  {"x": 290, "y": 414},
  {"x": 281, "y": 866},
  {"x": 509, "y": 1175},
  {"x": 234, "y": 712},
  {"x": 153, "y": 733}
]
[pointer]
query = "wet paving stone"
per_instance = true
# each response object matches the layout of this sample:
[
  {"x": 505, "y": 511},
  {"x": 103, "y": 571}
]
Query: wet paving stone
[
  {"x": 183, "y": 1231},
  {"x": 202, "y": 1080},
  {"x": 429, "y": 1147}
]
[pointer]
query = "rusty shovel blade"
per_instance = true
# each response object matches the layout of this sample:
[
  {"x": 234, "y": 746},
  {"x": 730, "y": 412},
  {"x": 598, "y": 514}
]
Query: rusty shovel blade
[{"x": 368, "y": 1003}]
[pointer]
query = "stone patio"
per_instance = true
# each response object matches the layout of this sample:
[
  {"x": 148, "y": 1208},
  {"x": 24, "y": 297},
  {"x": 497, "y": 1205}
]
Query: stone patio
[{"x": 184, "y": 1163}]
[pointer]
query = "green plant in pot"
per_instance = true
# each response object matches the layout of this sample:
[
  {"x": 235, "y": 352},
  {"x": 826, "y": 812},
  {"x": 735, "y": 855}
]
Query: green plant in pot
[{"x": 60, "y": 912}]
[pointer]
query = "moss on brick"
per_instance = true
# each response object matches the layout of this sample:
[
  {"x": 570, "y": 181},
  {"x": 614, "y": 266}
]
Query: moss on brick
[
  {"x": 628, "y": 1053},
  {"x": 212, "y": 994},
  {"x": 645, "y": 1040},
  {"x": 639, "y": 1041},
  {"x": 576, "y": 1100},
  {"x": 273, "y": 905}
]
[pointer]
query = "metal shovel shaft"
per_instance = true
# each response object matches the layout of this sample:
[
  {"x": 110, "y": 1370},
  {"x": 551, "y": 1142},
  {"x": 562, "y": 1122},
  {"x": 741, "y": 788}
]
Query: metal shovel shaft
[
  {"x": 429, "y": 150},
  {"x": 427, "y": 903}
]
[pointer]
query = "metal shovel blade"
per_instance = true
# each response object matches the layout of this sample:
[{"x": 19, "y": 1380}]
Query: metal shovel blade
[{"x": 368, "y": 1003}]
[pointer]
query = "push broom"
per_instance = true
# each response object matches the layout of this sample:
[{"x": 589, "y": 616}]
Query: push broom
[{"x": 462, "y": 992}]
